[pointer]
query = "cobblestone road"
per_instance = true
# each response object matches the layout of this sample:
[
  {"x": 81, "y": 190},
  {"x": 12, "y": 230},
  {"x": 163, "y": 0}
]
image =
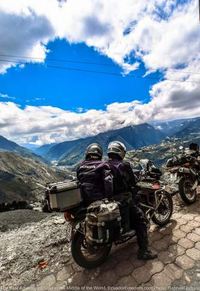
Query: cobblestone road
[{"x": 178, "y": 247}]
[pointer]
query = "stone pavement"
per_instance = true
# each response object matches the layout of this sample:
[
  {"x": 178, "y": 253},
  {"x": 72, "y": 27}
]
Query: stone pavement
[{"x": 178, "y": 247}]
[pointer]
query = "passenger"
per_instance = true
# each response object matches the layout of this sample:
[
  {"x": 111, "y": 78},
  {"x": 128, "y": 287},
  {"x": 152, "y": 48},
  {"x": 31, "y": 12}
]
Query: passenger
[
  {"x": 123, "y": 182},
  {"x": 94, "y": 176}
]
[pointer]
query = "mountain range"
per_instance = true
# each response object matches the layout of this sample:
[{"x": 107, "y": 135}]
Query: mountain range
[
  {"x": 7, "y": 145},
  {"x": 180, "y": 127},
  {"x": 23, "y": 178},
  {"x": 71, "y": 152},
  {"x": 190, "y": 130},
  {"x": 134, "y": 137},
  {"x": 22, "y": 172}
]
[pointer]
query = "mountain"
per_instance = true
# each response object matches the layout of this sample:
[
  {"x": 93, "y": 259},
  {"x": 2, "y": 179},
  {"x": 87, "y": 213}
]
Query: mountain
[
  {"x": 71, "y": 152},
  {"x": 158, "y": 153},
  {"x": 171, "y": 128},
  {"x": 7, "y": 145},
  {"x": 191, "y": 130},
  {"x": 42, "y": 150},
  {"x": 22, "y": 178}
]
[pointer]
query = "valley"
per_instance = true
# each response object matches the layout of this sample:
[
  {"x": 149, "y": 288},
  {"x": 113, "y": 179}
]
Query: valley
[
  {"x": 24, "y": 178},
  {"x": 23, "y": 174}
]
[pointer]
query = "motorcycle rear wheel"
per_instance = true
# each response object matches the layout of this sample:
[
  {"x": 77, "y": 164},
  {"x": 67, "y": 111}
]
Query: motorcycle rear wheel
[
  {"x": 188, "y": 195},
  {"x": 164, "y": 212},
  {"x": 86, "y": 256}
]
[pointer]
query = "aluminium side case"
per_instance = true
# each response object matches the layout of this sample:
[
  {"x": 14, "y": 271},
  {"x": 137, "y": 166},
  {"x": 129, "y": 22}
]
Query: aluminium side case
[{"x": 64, "y": 195}]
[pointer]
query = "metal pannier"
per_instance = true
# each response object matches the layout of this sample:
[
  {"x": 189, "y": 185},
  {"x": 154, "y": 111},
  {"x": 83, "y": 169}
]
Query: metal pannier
[{"x": 64, "y": 195}]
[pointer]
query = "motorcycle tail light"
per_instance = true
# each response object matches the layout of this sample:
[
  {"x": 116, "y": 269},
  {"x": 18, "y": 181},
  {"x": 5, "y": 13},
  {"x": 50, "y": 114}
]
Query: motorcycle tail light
[
  {"x": 156, "y": 186},
  {"x": 68, "y": 216}
]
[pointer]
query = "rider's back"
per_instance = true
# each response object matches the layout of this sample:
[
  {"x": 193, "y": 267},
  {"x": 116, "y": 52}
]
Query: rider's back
[
  {"x": 93, "y": 177},
  {"x": 123, "y": 177}
]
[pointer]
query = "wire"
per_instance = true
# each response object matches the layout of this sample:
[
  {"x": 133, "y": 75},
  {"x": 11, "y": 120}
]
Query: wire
[
  {"x": 59, "y": 60},
  {"x": 119, "y": 75},
  {"x": 107, "y": 73},
  {"x": 81, "y": 62}
]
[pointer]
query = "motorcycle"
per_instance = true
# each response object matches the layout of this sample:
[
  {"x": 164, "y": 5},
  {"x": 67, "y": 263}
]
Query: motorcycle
[
  {"x": 155, "y": 201},
  {"x": 94, "y": 229},
  {"x": 184, "y": 172}
]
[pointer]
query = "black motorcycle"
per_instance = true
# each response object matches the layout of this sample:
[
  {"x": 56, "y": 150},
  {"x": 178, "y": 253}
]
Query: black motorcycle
[
  {"x": 184, "y": 170},
  {"x": 96, "y": 227},
  {"x": 155, "y": 201}
]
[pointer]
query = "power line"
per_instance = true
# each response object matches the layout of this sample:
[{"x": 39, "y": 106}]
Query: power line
[
  {"x": 107, "y": 73},
  {"x": 58, "y": 60},
  {"x": 79, "y": 62},
  {"x": 116, "y": 74}
]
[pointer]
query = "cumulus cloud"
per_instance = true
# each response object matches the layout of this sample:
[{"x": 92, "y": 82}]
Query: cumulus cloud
[
  {"x": 163, "y": 35},
  {"x": 155, "y": 31},
  {"x": 46, "y": 124},
  {"x": 23, "y": 32}
]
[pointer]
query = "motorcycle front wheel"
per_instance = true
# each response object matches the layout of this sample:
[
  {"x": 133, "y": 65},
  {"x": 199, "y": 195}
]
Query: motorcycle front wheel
[
  {"x": 163, "y": 212},
  {"x": 187, "y": 194},
  {"x": 87, "y": 256}
]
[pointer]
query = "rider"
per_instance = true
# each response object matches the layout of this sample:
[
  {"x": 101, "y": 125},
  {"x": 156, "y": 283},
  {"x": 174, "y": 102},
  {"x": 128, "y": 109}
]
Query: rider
[
  {"x": 123, "y": 182},
  {"x": 94, "y": 175}
]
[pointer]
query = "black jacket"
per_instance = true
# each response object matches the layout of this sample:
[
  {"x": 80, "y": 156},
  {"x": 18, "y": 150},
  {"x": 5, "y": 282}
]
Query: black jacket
[
  {"x": 123, "y": 177},
  {"x": 95, "y": 180}
]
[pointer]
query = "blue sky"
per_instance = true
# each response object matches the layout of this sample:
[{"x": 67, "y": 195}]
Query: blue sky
[
  {"x": 152, "y": 46},
  {"x": 39, "y": 85}
]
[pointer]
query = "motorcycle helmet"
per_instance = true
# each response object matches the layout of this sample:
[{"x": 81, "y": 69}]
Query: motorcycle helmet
[
  {"x": 116, "y": 148},
  {"x": 95, "y": 150}
]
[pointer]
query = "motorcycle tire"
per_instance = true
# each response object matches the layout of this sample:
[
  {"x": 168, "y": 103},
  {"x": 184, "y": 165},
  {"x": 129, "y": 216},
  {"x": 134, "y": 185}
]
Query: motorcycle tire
[
  {"x": 78, "y": 241},
  {"x": 163, "y": 222},
  {"x": 188, "y": 199}
]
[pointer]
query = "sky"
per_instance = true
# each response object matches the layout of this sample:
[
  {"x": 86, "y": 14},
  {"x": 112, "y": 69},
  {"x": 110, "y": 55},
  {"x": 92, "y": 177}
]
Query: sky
[{"x": 71, "y": 69}]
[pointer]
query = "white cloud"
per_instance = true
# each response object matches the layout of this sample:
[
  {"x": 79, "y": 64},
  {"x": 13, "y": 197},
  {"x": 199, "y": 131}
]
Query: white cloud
[
  {"x": 164, "y": 35},
  {"x": 6, "y": 96},
  {"x": 23, "y": 32},
  {"x": 156, "y": 31},
  {"x": 46, "y": 124}
]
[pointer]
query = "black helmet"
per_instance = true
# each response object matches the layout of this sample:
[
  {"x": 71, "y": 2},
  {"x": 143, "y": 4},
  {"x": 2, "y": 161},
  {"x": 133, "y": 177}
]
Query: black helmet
[
  {"x": 116, "y": 148},
  {"x": 194, "y": 147},
  {"x": 95, "y": 150}
]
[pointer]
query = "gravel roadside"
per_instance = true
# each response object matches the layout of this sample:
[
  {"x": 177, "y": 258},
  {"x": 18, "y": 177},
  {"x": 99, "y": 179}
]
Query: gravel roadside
[{"x": 31, "y": 237}]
